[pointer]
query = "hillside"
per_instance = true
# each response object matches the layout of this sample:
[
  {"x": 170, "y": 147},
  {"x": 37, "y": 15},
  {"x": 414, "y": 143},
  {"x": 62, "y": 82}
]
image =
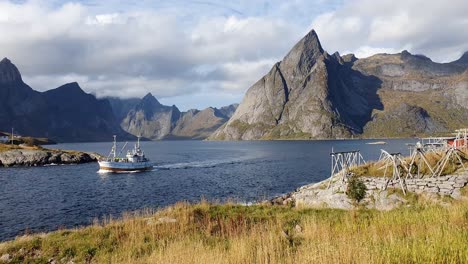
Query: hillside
[
  {"x": 257, "y": 234},
  {"x": 311, "y": 94}
]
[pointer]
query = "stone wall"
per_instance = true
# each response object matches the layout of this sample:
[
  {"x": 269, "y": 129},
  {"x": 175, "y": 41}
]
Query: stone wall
[{"x": 444, "y": 185}]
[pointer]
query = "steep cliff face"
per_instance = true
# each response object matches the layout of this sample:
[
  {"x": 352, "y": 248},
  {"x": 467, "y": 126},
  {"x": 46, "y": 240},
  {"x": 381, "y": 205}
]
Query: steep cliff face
[
  {"x": 150, "y": 119},
  {"x": 311, "y": 94}
]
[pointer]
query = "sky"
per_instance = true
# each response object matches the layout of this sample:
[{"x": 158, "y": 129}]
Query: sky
[{"x": 196, "y": 54}]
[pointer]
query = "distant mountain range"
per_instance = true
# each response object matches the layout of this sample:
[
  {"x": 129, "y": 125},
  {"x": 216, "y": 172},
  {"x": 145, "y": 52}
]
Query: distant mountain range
[
  {"x": 68, "y": 114},
  {"x": 149, "y": 118},
  {"x": 311, "y": 94}
]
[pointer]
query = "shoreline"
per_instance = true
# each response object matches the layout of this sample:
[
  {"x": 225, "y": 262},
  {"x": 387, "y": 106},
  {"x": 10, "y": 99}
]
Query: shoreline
[{"x": 36, "y": 156}]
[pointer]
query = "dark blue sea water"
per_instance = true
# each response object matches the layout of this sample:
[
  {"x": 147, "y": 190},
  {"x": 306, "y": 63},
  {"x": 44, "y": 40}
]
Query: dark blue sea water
[{"x": 47, "y": 198}]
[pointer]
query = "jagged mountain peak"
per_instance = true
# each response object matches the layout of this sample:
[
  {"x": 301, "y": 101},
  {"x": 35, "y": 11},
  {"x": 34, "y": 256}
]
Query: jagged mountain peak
[
  {"x": 9, "y": 72},
  {"x": 5, "y": 60},
  {"x": 305, "y": 53},
  {"x": 150, "y": 100}
]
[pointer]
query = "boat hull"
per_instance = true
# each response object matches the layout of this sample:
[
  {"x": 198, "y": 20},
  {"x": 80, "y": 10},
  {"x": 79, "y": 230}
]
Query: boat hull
[{"x": 125, "y": 166}]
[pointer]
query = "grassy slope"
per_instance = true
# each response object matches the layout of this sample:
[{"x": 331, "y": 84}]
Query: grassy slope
[
  {"x": 376, "y": 169},
  {"x": 207, "y": 233},
  {"x": 438, "y": 107}
]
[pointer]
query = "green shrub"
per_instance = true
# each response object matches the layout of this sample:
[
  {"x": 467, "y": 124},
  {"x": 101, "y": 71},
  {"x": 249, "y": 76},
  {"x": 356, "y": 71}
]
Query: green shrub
[{"x": 356, "y": 189}]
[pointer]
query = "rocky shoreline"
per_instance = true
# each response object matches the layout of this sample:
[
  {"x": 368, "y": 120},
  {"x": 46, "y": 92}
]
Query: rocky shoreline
[{"x": 41, "y": 157}]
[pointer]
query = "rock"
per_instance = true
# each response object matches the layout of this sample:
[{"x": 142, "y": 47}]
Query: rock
[
  {"x": 386, "y": 202},
  {"x": 27, "y": 157},
  {"x": 456, "y": 194},
  {"x": 446, "y": 185}
]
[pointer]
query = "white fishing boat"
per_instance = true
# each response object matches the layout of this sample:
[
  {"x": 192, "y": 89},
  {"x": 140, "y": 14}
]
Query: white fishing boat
[{"x": 135, "y": 160}]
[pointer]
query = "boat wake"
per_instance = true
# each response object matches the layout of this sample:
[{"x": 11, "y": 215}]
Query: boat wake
[{"x": 201, "y": 164}]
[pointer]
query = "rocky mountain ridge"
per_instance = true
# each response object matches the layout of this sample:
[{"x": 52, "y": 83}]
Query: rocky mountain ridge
[
  {"x": 311, "y": 94},
  {"x": 69, "y": 114},
  {"x": 151, "y": 119}
]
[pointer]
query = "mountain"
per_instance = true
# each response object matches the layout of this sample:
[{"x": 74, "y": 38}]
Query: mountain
[
  {"x": 463, "y": 60},
  {"x": 151, "y": 119},
  {"x": 121, "y": 107},
  {"x": 77, "y": 116},
  {"x": 66, "y": 113},
  {"x": 311, "y": 94}
]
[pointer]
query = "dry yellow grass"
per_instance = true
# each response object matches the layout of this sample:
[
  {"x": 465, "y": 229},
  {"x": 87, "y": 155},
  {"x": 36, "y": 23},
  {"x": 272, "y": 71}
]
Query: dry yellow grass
[
  {"x": 377, "y": 169},
  {"x": 208, "y": 233}
]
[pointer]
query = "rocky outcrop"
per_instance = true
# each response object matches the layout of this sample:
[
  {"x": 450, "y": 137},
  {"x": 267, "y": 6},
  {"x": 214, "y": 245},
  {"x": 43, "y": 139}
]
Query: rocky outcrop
[
  {"x": 379, "y": 195},
  {"x": 151, "y": 119},
  {"x": 311, "y": 94},
  {"x": 29, "y": 157}
]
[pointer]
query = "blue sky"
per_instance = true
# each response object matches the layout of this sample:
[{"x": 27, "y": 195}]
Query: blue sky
[{"x": 197, "y": 54}]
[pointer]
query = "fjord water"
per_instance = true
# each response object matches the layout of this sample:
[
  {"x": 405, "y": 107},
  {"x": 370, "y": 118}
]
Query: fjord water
[{"x": 47, "y": 198}]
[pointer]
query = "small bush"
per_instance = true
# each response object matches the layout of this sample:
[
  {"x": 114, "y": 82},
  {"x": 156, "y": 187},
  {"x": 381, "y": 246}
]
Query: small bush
[{"x": 356, "y": 189}]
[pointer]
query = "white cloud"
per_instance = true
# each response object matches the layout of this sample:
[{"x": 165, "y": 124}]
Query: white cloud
[
  {"x": 434, "y": 28},
  {"x": 181, "y": 50},
  {"x": 131, "y": 53}
]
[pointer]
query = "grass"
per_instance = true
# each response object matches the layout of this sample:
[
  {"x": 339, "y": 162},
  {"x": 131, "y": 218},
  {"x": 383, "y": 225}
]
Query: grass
[
  {"x": 211, "y": 233},
  {"x": 376, "y": 169},
  {"x": 6, "y": 147},
  {"x": 440, "y": 109}
]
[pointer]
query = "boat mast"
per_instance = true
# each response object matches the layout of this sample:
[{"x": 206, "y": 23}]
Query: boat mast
[{"x": 114, "y": 147}]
